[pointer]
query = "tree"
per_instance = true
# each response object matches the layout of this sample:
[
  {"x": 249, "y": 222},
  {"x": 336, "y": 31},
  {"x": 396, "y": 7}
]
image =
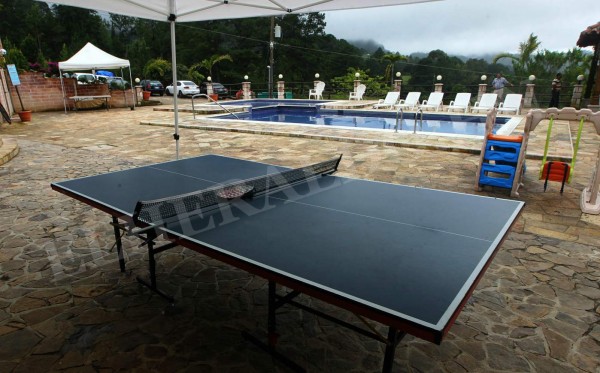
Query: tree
[
  {"x": 210, "y": 62},
  {"x": 15, "y": 56},
  {"x": 436, "y": 63},
  {"x": 392, "y": 58},
  {"x": 345, "y": 83},
  {"x": 194, "y": 75},
  {"x": 545, "y": 64},
  {"x": 122, "y": 33},
  {"x": 158, "y": 69},
  {"x": 522, "y": 61}
]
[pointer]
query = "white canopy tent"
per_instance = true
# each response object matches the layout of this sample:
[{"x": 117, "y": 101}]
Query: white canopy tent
[
  {"x": 90, "y": 57},
  {"x": 204, "y": 10}
]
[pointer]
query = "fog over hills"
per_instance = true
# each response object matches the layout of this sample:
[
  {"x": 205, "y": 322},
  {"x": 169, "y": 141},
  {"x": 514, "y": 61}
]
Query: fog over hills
[{"x": 370, "y": 46}]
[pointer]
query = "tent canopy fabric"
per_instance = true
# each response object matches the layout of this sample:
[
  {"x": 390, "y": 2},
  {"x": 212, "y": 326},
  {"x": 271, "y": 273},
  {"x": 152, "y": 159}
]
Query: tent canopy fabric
[
  {"x": 91, "y": 57},
  {"x": 205, "y": 10}
]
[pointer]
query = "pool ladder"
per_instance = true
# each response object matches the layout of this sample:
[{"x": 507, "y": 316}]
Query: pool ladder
[
  {"x": 210, "y": 99},
  {"x": 419, "y": 111},
  {"x": 400, "y": 115}
]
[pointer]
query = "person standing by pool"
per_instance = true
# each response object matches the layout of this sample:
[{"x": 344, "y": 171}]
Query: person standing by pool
[
  {"x": 499, "y": 83},
  {"x": 556, "y": 85}
]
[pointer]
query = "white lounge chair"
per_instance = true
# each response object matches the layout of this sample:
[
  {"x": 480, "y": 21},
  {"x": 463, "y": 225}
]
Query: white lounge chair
[
  {"x": 360, "y": 91},
  {"x": 390, "y": 100},
  {"x": 317, "y": 93},
  {"x": 488, "y": 100},
  {"x": 410, "y": 102},
  {"x": 512, "y": 102},
  {"x": 433, "y": 102},
  {"x": 462, "y": 101}
]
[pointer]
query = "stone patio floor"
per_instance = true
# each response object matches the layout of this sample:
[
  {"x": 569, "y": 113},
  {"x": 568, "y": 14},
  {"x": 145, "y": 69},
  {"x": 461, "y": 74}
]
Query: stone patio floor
[{"x": 64, "y": 305}]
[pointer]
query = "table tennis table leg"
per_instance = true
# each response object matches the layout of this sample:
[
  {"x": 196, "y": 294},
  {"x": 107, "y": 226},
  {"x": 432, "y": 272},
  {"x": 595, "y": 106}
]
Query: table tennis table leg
[
  {"x": 272, "y": 318},
  {"x": 149, "y": 241},
  {"x": 394, "y": 337},
  {"x": 276, "y": 301},
  {"x": 272, "y": 336},
  {"x": 119, "y": 243}
]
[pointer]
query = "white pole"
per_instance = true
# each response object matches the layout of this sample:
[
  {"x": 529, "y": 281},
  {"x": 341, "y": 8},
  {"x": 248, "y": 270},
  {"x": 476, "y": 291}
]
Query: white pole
[
  {"x": 172, "y": 19},
  {"x": 124, "y": 88},
  {"x": 62, "y": 86},
  {"x": 133, "y": 91}
]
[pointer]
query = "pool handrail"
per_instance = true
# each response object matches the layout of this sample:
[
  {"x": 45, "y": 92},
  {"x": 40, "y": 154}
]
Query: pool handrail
[
  {"x": 210, "y": 99},
  {"x": 401, "y": 115},
  {"x": 420, "y": 122}
]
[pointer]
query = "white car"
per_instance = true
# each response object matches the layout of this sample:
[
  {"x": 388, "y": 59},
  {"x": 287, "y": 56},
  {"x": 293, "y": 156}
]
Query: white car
[{"x": 184, "y": 88}]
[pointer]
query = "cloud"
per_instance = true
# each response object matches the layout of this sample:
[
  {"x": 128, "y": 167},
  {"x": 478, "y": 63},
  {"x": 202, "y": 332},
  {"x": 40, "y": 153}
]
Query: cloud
[{"x": 467, "y": 26}]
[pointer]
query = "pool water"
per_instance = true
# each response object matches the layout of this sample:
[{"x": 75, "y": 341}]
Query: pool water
[{"x": 314, "y": 115}]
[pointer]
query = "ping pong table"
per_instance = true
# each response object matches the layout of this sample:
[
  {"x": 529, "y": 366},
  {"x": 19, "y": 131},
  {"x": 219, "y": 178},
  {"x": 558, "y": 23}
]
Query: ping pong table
[{"x": 406, "y": 257}]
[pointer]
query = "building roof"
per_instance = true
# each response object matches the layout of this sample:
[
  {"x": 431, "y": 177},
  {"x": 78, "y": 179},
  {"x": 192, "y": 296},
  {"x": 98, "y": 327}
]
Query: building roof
[{"x": 590, "y": 37}]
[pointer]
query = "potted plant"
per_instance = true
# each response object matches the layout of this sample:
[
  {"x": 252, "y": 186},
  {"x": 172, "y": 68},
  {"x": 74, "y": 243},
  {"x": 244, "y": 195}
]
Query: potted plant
[{"x": 25, "y": 115}]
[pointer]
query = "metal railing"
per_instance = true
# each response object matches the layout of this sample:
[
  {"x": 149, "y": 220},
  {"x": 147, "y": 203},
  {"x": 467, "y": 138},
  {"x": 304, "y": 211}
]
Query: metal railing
[
  {"x": 401, "y": 112},
  {"x": 419, "y": 111},
  {"x": 210, "y": 99}
]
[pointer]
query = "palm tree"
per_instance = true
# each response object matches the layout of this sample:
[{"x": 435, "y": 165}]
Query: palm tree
[
  {"x": 522, "y": 61},
  {"x": 210, "y": 62},
  {"x": 392, "y": 58}
]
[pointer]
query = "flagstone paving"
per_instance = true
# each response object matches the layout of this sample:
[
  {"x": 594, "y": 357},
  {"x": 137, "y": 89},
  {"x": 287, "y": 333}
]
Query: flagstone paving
[{"x": 64, "y": 305}]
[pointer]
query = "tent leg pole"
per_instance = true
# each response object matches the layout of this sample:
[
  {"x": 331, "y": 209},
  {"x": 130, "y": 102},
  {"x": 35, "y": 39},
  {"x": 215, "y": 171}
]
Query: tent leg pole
[
  {"x": 62, "y": 86},
  {"x": 172, "y": 18},
  {"x": 133, "y": 91}
]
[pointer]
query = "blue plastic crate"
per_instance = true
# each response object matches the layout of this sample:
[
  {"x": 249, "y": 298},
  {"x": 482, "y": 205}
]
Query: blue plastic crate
[
  {"x": 502, "y": 151},
  {"x": 504, "y": 178}
]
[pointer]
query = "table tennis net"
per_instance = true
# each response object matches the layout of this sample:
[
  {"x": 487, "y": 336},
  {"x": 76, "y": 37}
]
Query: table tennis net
[{"x": 173, "y": 208}]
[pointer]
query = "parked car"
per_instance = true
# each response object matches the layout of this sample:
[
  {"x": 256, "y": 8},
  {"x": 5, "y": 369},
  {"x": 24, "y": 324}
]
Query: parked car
[
  {"x": 184, "y": 88},
  {"x": 84, "y": 78},
  {"x": 153, "y": 86},
  {"x": 218, "y": 89},
  {"x": 116, "y": 82}
]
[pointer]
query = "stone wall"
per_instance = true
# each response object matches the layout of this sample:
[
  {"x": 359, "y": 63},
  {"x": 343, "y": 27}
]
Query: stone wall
[{"x": 45, "y": 94}]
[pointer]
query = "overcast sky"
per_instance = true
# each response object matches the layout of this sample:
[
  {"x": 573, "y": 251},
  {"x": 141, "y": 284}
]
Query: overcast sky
[{"x": 468, "y": 27}]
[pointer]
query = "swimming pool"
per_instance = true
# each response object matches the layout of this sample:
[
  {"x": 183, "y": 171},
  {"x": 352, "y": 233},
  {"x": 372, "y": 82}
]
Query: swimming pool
[{"x": 299, "y": 113}]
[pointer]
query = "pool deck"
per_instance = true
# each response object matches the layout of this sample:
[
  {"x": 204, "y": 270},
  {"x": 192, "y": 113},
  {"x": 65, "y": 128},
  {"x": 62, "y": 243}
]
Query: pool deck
[{"x": 64, "y": 305}]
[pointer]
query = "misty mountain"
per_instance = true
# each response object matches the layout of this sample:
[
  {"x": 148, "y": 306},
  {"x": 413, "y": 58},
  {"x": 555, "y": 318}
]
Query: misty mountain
[{"x": 370, "y": 46}]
